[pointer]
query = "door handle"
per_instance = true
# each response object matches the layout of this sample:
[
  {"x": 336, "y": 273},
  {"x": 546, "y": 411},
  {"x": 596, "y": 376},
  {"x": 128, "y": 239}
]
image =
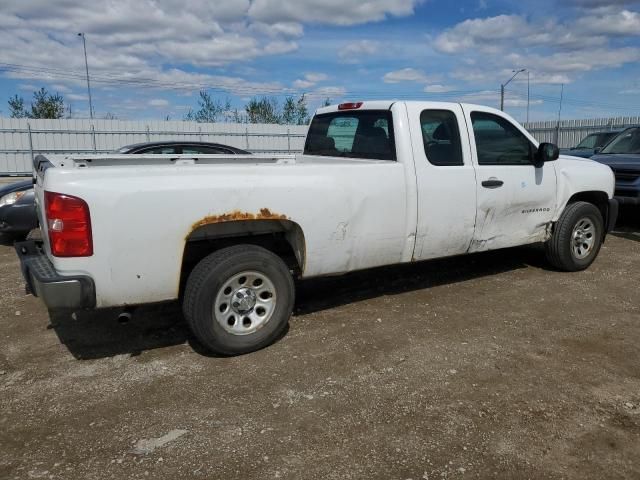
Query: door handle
[{"x": 492, "y": 183}]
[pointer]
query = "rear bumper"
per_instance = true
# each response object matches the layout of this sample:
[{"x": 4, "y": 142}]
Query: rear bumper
[
  {"x": 56, "y": 291},
  {"x": 612, "y": 214}
]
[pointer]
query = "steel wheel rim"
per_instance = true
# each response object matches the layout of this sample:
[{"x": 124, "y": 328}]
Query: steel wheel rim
[
  {"x": 583, "y": 238},
  {"x": 245, "y": 302}
]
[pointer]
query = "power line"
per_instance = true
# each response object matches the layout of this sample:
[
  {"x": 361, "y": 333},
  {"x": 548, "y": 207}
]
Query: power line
[{"x": 108, "y": 78}]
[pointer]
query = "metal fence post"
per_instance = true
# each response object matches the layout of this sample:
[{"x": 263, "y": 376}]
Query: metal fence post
[
  {"x": 200, "y": 133},
  {"x": 148, "y": 134},
  {"x": 288, "y": 140},
  {"x": 93, "y": 138},
  {"x": 30, "y": 141},
  {"x": 246, "y": 137}
]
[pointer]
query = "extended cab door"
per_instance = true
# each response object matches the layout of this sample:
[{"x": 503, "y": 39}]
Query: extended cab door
[
  {"x": 515, "y": 199},
  {"x": 445, "y": 176}
]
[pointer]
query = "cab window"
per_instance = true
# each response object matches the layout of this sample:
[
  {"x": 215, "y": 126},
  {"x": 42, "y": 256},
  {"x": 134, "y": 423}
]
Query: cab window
[
  {"x": 354, "y": 134},
  {"x": 441, "y": 137},
  {"x": 499, "y": 142}
]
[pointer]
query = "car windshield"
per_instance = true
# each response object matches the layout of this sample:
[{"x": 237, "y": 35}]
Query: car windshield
[
  {"x": 626, "y": 142},
  {"x": 588, "y": 142}
]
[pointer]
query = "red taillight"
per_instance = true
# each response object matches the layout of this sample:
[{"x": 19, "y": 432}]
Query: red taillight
[
  {"x": 69, "y": 225},
  {"x": 349, "y": 106}
]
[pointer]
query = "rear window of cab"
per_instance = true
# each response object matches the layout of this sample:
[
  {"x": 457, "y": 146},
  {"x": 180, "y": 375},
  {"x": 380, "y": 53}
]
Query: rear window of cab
[{"x": 364, "y": 134}]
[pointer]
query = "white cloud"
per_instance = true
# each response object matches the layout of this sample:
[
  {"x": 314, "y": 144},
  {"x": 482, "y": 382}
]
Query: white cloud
[
  {"x": 334, "y": 12},
  {"x": 406, "y": 75},
  {"x": 553, "y": 52},
  {"x": 286, "y": 29},
  {"x": 480, "y": 32},
  {"x": 28, "y": 86},
  {"x": 76, "y": 97},
  {"x": 158, "y": 102},
  {"x": 613, "y": 23},
  {"x": 437, "y": 88},
  {"x": 303, "y": 84},
  {"x": 334, "y": 93},
  {"x": 316, "y": 77},
  {"x": 309, "y": 80},
  {"x": 355, "y": 51},
  {"x": 197, "y": 32}
]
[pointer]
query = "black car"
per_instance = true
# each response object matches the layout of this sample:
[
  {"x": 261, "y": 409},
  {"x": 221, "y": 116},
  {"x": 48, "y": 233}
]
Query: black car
[
  {"x": 590, "y": 144},
  {"x": 17, "y": 208},
  {"x": 181, "y": 148},
  {"x": 17, "y": 203},
  {"x": 622, "y": 154}
]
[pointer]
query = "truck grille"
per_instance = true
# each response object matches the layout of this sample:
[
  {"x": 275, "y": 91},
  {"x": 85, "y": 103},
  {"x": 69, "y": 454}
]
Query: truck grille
[{"x": 623, "y": 175}]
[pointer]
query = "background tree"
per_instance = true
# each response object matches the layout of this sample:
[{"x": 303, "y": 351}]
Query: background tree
[
  {"x": 44, "y": 105},
  {"x": 302, "y": 113},
  {"x": 289, "y": 111},
  {"x": 327, "y": 102},
  {"x": 263, "y": 110},
  {"x": 16, "y": 107},
  {"x": 209, "y": 109}
]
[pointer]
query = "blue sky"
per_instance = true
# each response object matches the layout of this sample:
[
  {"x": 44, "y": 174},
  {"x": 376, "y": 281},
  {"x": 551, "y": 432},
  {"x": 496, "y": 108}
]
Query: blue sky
[{"x": 149, "y": 58}]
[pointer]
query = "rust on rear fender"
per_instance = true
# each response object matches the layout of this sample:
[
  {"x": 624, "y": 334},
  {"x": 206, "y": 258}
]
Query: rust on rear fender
[{"x": 263, "y": 214}]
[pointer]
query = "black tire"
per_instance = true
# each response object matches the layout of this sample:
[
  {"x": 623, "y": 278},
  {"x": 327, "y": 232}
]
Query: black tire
[
  {"x": 205, "y": 284},
  {"x": 560, "y": 247}
]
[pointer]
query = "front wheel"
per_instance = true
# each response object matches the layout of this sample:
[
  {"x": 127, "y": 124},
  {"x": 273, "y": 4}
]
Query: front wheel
[
  {"x": 239, "y": 299},
  {"x": 576, "y": 238}
]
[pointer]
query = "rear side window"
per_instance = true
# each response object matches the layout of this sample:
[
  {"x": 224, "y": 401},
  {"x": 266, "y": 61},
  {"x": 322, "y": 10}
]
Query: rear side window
[
  {"x": 159, "y": 151},
  {"x": 354, "y": 134},
  {"x": 441, "y": 137},
  {"x": 201, "y": 149}
]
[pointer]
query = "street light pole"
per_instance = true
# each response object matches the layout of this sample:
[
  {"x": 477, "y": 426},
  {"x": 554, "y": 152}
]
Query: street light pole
[
  {"x": 516, "y": 72},
  {"x": 86, "y": 66},
  {"x": 528, "y": 94}
]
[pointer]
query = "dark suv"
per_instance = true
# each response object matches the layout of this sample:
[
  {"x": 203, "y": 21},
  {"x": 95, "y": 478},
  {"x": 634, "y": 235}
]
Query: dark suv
[
  {"x": 622, "y": 154},
  {"x": 590, "y": 144}
]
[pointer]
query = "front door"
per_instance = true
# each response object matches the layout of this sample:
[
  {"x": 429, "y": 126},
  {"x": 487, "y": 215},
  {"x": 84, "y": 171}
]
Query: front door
[{"x": 515, "y": 199}]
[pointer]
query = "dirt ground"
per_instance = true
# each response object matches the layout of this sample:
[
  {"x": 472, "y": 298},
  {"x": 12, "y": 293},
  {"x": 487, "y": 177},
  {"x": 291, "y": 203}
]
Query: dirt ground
[{"x": 489, "y": 366}]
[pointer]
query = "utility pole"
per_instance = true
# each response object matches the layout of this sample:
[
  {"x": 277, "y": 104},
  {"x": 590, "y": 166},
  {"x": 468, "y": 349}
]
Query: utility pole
[
  {"x": 86, "y": 66},
  {"x": 516, "y": 72},
  {"x": 528, "y": 94},
  {"x": 559, "y": 113}
]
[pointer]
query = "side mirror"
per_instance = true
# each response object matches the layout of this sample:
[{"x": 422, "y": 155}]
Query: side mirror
[
  {"x": 597, "y": 150},
  {"x": 547, "y": 152}
]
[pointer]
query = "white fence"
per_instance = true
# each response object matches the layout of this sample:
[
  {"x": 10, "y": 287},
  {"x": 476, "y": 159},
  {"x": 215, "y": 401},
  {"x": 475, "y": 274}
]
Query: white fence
[
  {"x": 570, "y": 132},
  {"x": 21, "y": 139}
]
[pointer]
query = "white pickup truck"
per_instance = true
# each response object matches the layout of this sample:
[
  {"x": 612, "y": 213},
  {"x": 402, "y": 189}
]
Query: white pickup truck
[{"x": 378, "y": 183}]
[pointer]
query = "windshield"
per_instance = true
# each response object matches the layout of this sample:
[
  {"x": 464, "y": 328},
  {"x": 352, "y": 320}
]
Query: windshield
[
  {"x": 352, "y": 133},
  {"x": 588, "y": 142},
  {"x": 626, "y": 142}
]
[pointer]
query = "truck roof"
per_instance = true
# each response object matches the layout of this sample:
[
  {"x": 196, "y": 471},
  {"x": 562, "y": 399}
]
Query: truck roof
[{"x": 386, "y": 104}]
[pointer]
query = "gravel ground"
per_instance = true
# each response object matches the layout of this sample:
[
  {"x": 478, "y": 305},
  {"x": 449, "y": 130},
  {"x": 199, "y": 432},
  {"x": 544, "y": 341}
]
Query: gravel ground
[{"x": 488, "y": 366}]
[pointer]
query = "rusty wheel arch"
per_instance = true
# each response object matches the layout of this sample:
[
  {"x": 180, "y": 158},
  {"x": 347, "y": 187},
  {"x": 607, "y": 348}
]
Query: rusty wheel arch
[{"x": 273, "y": 231}]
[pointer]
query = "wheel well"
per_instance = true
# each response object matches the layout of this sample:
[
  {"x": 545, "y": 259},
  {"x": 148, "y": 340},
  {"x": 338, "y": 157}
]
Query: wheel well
[
  {"x": 282, "y": 237},
  {"x": 597, "y": 198}
]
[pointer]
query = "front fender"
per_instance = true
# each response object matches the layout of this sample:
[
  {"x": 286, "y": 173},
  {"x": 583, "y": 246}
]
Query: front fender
[{"x": 576, "y": 176}]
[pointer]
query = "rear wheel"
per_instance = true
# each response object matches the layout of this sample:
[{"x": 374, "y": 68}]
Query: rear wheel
[
  {"x": 239, "y": 299},
  {"x": 577, "y": 237}
]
